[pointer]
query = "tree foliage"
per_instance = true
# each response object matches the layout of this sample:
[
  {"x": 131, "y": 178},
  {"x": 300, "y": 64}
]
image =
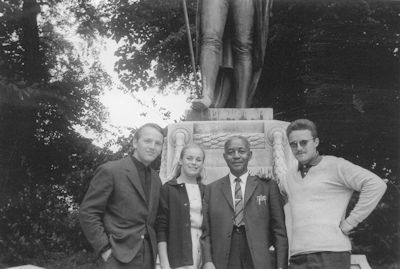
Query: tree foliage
[
  {"x": 152, "y": 37},
  {"x": 45, "y": 90}
]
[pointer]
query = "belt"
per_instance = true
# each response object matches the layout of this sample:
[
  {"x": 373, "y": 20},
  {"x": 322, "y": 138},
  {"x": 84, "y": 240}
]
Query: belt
[
  {"x": 145, "y": 236},
  {"x": 239, "y": 229}
]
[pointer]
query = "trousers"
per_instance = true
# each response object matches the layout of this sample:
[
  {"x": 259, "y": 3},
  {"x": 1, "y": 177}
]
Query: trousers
[
  {"x": 144, "y": 260},
  {"x": 239, "y": 255},
  {"x": 214, "y": 17},
  {"x": 321, "y": 260}
]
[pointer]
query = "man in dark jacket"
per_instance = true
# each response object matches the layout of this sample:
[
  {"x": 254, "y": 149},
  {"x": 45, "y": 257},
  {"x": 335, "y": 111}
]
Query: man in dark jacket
[
  {"x": 118, "y": 212},
  {"x": 242, "y": 216}
]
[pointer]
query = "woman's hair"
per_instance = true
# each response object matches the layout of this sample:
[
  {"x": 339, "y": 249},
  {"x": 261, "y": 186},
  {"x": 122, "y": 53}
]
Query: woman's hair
[
  {"x": 190, "y": 146},
  {"x": 176, "y": 171}
]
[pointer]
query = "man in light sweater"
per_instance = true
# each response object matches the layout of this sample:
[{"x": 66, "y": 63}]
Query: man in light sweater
[{"x": 318, "y": 191}]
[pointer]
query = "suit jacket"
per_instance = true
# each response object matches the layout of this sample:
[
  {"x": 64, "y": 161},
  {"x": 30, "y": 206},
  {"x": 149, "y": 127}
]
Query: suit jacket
[
  {"x": 263, "y": 217},
  {"x": 115, "y": 210},
  {"x": 173, "y": 222}
]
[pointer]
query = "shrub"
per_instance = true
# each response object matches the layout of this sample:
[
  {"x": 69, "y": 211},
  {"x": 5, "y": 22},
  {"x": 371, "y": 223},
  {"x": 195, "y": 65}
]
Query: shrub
[{"x": 38, "y": 221}]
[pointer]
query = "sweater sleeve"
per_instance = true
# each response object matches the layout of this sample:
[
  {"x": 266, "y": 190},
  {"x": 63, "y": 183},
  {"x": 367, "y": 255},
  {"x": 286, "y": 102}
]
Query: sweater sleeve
[
  {"x": 370, "y": 186},
  {"x": 162, "y": 221}
]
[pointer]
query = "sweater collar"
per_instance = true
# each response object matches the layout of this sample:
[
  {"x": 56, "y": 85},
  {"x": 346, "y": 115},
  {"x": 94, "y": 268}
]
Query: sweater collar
[{"x": 304, "y": 168}]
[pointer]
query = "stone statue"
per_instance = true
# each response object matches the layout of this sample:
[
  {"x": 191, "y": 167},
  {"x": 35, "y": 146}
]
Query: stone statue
[{"x": 233, "y": 38}]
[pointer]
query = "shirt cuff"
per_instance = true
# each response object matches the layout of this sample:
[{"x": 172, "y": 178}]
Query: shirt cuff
[
  {"x": 346, "y": 227},
  {"x": 351, "y": 221}
]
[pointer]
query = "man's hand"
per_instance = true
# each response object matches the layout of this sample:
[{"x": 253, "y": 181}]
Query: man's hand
[
  {"x": 345, "y": 227},
  {"x": 209, "y": 265},
  {"x": 106, "y": 254}
]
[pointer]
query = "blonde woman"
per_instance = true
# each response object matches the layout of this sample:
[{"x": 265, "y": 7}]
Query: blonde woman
[{"x": 180, "y": 212}]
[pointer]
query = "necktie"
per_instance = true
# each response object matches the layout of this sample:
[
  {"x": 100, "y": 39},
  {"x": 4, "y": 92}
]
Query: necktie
[{"x": 238, "y": 204}]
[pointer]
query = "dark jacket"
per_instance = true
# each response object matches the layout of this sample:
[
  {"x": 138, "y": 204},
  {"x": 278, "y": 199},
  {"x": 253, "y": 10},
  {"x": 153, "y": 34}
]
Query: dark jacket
[
  {"x": 115, "y": 210},
  {"x": 173, "y": 223},
  {"x": 263, "y": 217}
]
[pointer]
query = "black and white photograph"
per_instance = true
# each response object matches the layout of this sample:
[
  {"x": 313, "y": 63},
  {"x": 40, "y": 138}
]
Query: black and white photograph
[{"x": 200, "y": 134}]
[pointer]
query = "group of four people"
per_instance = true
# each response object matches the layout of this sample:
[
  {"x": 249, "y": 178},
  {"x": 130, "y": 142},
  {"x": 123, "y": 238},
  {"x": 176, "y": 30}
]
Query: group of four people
[{"x": 129, "y": 217}]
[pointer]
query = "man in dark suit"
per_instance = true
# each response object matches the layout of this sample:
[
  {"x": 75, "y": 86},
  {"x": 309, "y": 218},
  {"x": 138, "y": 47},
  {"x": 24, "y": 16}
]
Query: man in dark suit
[
  {"x": 243, "y": 217},
  {"x": 118, "y": 212}
]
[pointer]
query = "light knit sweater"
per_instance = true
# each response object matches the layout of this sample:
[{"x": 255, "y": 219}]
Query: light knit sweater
[{"x": 318, "y": 202}]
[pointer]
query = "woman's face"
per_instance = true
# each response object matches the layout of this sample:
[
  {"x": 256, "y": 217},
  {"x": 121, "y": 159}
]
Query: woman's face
[{"x": 192, "y": 162}]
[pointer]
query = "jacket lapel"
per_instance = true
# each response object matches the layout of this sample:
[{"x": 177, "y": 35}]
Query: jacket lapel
[
  {"x": 251, "y": 186},
  {"x": 202, "y": 188},
  {"x": 134, "y": 177},
  {"x": 154, "y": 189},
  {"x": 226, "y": 190}
]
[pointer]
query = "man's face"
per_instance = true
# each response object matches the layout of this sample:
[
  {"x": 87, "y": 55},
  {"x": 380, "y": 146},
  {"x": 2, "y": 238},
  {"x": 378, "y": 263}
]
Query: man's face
[
  {"x": 148, "y": 146},
  {"x": 303, "y": 145},
  {"x": 237, "y": 155}
]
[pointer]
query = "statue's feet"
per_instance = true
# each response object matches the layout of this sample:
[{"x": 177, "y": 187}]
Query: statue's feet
[{"x": 201, "y": 103}]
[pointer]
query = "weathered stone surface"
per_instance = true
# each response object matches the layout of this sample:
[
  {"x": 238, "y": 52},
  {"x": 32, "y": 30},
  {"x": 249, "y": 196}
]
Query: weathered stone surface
[
  {"x": 216, "y": 114},
  {"x": 359, "y": 262},
  {"x": 211, "y": 134}
]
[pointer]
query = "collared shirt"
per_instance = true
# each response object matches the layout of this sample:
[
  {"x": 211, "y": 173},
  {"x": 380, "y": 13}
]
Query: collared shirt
[
  {"x": 304, "y": 168},
  {"x": 144, "y": 175},
  {"x": 242, "y": 184}
]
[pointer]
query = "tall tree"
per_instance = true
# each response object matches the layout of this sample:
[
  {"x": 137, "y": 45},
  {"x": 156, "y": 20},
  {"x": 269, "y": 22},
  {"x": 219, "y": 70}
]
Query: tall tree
[
  {"x": 33, "y": 59},
  {"x": 45, "y": 90}
]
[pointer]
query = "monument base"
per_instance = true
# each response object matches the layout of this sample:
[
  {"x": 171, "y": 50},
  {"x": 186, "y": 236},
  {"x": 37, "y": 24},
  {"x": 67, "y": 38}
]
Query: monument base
[
  {"x": 218, "y": 114},
  {"x": 213, "y": 127},
  {"x": 359, "y": 262}
]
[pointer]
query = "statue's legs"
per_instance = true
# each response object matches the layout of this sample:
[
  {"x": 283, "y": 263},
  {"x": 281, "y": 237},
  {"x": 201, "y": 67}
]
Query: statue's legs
[
  {"x": 243, "y": 19},
  {"x": 213, "y": 18}
]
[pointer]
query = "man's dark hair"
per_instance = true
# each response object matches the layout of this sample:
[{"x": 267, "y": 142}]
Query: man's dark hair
[
  {"x": 302, "y": 124},
  {"x": 151, "y": 125},
  {"x": 244, "y": 139}
]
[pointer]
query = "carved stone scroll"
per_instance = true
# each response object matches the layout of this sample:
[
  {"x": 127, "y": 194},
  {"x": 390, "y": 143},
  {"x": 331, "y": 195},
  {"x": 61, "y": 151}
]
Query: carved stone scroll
[
  {"x": 217, "y": 141},
  {"x": 178, "y": 136},
  {"x": 280, "y": 168},
  {"x": 163, "y": 166},
  {"x": 181, "y": 138},
  {"x": 276, "y": 137}
]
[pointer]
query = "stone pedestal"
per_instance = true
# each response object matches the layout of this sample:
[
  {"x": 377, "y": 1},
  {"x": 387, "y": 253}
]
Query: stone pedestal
[
  {"x": 359, "y": 262},
  {"x": 212, "y": 127},
  {"x": 219, "y": 114}
]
